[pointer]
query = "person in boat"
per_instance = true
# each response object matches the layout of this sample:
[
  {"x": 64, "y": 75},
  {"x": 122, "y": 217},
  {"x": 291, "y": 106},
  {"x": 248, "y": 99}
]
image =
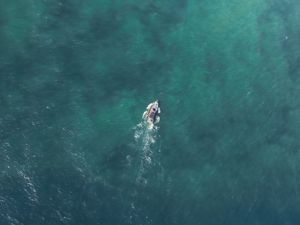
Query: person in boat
[{"x": 152, "y": 113}]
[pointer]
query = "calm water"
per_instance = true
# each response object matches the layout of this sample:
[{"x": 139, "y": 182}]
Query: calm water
[{"x": 76, "y": 76}]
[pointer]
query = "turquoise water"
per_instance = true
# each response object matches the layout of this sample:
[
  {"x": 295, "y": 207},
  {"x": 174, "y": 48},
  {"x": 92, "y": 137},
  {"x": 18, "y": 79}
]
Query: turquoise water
[{"x": 76, "y": 77}]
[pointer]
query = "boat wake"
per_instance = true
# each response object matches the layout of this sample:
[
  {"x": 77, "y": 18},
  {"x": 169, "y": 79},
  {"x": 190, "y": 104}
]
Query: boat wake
[
  {"x": 147, "y": 166},
  {"x": 148, "y": 150}
]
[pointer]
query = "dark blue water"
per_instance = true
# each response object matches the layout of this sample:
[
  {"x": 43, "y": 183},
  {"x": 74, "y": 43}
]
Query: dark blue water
[{"x": 76, "y": 77}]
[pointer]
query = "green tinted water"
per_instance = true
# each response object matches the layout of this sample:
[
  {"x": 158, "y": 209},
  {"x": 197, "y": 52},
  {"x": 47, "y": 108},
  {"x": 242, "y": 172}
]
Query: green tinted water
[{"x": 76, "y": 77}]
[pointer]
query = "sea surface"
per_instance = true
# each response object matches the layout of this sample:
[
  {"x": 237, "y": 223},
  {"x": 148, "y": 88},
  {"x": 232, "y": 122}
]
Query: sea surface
[{"x": 76, "y": 77}]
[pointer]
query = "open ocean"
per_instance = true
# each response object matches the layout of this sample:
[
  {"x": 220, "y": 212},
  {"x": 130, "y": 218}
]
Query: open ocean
[{"x": 76, "y": 77}]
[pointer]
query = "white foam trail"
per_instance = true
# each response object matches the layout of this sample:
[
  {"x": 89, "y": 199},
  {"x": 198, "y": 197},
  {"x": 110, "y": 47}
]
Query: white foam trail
[
  {"x": 29, "y": 186},
  {"x": 148, "y": 167},
  {"x": 145, "y": 138}
]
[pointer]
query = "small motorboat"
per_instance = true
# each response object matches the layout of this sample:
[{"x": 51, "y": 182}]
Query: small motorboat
[{"x": 151, "y": 115}]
